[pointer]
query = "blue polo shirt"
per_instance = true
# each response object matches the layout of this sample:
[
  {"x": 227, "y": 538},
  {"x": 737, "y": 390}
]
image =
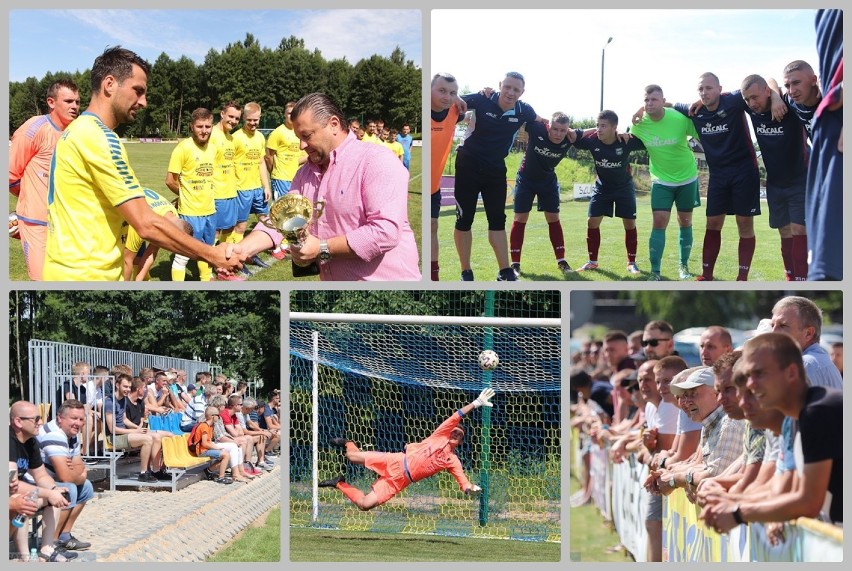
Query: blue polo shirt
[
  {"x": 783, "y": 147},
  {"x": 495, "y": 129},
  {"x": 542, "y": 156},
  {"x": 612, "y": 162},
  {"x": 724, "y": 133}
]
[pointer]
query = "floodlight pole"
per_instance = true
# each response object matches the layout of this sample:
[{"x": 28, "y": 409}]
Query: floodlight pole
[{"x": 603, "y": 54}]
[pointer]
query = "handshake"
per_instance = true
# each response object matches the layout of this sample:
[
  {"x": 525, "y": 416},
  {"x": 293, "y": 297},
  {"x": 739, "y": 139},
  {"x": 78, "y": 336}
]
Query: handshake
[{"x": 229, "y": 257}]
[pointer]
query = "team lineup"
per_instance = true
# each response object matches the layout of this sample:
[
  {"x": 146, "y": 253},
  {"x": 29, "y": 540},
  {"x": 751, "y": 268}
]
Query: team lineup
[{"x": 784, "y": 126}]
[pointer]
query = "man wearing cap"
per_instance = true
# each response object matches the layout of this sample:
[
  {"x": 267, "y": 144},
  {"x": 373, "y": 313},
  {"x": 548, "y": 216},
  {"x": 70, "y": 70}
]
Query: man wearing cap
[
  {"x": 775, "y": 373},
  {"x": 721, "y": 436}
]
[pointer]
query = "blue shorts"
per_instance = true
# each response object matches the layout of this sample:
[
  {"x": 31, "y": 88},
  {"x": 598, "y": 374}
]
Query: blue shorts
[
  {"x": 250, "y": 201},
  {"x": 226, "y": 213},
  {"x": 280, "y": 188},
  {"x": 436, "y": 204},
  {"x": 734, "y": 192},
  {"x": 547, "y": 193},
  {"x": 621, "y": 200},
  {"x": 203, "y": 227},
  {"x": 786, "y": 204},
  {"x": 212, "y": 453},
  {"x": 77, "y": 494}
]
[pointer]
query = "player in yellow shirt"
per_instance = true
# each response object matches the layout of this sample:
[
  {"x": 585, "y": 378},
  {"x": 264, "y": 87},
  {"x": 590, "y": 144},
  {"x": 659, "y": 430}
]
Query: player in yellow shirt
[
  {"x": 284, "y": 156},
  {"x": 190, "y": 176},
  {"x": 93, "y": 189},
  {"x": 371, "y": 134},
  {"x": 138, "y": 255},
  {"x": 253, "y": 191},
  {"x": 393, "y": 144},
  {"x": 30, "y": 153},
  {"x": 225, "y": 174}
]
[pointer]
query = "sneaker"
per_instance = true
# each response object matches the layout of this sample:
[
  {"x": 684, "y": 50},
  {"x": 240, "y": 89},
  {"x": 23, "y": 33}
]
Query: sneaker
[
  {"x": 703, "y": 279},
  {"x": 332, "y": 483},
  {"x": 338, "y": 442},
  {"x": 245, "y": 271},
  {"x": 256, "y": 261},
  {"x": 72, "y": 544},
  {"x": 507, "y": 275},
  {"x": 467, "y": 275},
  {"x": 280, "y": 254},
  {"x": 590, "y": 265},
  {"x": 162, "y": 475},
  {"x": 226, "y": 277},
  {"x": 516, "y": 267},
  {"x": 683, "y": 272},
  {"x": 655, "y": 277},
  {"x": 632, "y": 268},
  {"x": 147, "y": 477},
  {"x": 564, "y": 267},
  {"x": 252, "y": 471},
  {"x": 265, "y": 466}
]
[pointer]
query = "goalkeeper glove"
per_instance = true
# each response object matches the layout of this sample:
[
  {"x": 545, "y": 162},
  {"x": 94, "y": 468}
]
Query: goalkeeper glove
[
  {"x": 473, "y": 489},
  {"x": 484, "y": 397}
]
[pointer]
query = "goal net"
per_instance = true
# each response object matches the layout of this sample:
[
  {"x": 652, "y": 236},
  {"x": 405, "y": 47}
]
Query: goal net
[{"x": 386, "y": 384}]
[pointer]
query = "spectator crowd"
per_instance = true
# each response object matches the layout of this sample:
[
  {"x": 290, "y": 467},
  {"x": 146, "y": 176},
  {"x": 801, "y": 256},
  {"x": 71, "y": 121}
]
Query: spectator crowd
[{"x": 753, "y": 434}]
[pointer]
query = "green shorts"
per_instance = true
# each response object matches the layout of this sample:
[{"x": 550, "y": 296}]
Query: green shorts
[
  {"x": 119, "y": 441},
  {"x": 685, "y": 197}
]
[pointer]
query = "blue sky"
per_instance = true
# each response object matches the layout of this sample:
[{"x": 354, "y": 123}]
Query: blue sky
[
  {"x": 559, "y": 52},
  {"x": 68, "y": 40}
]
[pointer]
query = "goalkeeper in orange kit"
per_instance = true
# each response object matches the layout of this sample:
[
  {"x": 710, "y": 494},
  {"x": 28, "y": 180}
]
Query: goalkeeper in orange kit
[{"x": 397, "y": 470}]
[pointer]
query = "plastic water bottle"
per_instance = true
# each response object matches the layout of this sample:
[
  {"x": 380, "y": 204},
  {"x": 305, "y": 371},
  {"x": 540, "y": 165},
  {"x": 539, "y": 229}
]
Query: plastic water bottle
[
  {"x": 21, "y": 519},
  {"x": 33, "y": 555}
]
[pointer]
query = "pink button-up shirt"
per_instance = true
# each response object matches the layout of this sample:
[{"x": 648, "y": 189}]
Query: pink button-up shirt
[{"x": 365, "y": 188}]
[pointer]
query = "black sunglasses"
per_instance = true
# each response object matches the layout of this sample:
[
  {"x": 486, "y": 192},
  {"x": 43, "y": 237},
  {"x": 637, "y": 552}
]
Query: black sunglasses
[{"x": 653, "y": 342}]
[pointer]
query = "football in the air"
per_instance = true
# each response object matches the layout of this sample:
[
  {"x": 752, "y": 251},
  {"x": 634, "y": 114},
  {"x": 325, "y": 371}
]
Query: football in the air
[{"x": 488, "y": 360}]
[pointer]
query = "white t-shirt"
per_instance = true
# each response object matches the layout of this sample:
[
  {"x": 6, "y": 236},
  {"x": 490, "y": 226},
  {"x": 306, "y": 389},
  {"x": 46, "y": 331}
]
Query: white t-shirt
[{"x": 667, "y": 418}]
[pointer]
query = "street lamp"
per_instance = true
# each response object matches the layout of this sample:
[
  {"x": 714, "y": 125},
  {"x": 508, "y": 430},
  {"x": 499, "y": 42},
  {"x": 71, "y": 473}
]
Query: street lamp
[{"x": 603, "y": 52}]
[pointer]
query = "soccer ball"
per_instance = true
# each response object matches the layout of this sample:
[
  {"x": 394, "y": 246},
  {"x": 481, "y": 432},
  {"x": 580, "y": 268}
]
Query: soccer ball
[{"x": 488, "y": 360}]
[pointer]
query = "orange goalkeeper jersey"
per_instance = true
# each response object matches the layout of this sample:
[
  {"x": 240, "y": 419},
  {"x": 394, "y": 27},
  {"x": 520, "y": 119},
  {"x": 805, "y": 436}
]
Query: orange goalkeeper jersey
[{"x": 432, "y": 455}]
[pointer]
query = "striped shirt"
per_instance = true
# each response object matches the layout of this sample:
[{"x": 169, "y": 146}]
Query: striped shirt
[
  {"x": 54, "y": 442},
  {"x": 819, "y": 369},
  {"x": 721, "y": 441},
  {"x": 194, "y": 411}
]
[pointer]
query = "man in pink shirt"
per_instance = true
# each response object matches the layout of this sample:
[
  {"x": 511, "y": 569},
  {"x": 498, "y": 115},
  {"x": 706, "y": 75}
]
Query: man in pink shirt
[
  {"x": 397, "y": 470},
  {"x": 363, "y": 233},
  {"x": 29, "y": 166}
]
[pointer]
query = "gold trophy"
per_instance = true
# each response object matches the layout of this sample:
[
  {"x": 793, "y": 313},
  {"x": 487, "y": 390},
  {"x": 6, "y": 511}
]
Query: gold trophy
[{"x": 291, "y": 215}]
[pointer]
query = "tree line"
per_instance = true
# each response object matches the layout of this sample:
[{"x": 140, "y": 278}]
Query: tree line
[
  {"x": 389, "y": 88},
  {"x": 237, "y": 330}
]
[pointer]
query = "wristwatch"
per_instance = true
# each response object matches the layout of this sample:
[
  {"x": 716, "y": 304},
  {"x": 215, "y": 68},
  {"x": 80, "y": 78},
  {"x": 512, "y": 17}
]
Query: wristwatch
[
  {"x": 663, "y": 462},
  {"x": 671, "y": 482},
  {"x": 738, "y": 516},
  {"x": 324, "y": 254},
  {"x": 690, "y": 481}
]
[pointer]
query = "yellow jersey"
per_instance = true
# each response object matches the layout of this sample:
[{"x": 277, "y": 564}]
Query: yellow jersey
[
  {"x": 129, "y": 236},
  {"x": 249, "y": 152},
  {"x": 194, "y": 165},
  {"x": 225, "y": 175},
  {"x": 90, "y": 177},
  {"x": 288, "y": 152}
]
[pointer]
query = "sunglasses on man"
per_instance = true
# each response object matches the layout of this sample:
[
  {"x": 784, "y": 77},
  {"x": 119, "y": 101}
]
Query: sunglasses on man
[{"x": 653, "y": 342}]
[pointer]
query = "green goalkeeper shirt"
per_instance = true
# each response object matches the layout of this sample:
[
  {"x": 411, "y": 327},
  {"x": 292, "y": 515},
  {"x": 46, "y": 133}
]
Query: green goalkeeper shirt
[{"x": 672, "y": 161}]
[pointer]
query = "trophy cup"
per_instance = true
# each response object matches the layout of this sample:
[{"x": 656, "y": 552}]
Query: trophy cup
[{"x": 291, "y": 215}]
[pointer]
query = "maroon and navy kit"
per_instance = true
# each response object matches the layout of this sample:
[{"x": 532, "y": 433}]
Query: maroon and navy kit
[
  {"x": 734, "y": 186},
  {"x": 536, "y": 174},
  {"x": 784, "y": 149},
  {"x": 481, "y": 161},
  {"x": 805, "y": 113},
  {"x": 614, "y": 184}
]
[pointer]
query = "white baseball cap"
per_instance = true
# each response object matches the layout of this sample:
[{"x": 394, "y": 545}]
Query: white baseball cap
[{"x": 703, "y": 376}]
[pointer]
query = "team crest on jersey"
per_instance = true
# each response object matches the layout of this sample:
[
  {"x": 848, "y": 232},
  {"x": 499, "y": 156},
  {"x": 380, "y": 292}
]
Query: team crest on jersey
[
  {"x": 764, "y": 130},
  {"x": 709, "y": 129},
  {"x": 513, "y": 119},
  {"x": 619, "y": 151},
  {"x": 492, "y": 115}
]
